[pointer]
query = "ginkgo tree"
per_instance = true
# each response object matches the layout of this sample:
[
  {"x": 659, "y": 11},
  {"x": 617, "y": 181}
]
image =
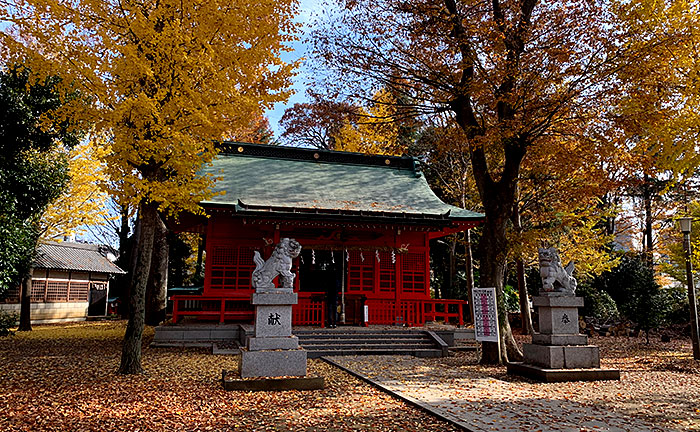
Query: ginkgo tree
[
  {"x": 167, "y": 78},
  {"x": 83, "y": 202},
  {"x": 375, "y": 129},
  {"x": 658, "y": 112}
]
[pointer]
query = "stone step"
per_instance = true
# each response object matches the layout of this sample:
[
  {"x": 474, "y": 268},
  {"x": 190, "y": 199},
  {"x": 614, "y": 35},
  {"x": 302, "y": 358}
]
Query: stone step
[
  {"x": 336, "y": 342},
  {"x": 355, "y": 329},
  {"x": 366, "y": 345},
  {"x": 366, "y": 340},
  {"x": 339, "y": 341},
  {"x": 340, "y": 335},
  {"x": 392, "y": 351}
]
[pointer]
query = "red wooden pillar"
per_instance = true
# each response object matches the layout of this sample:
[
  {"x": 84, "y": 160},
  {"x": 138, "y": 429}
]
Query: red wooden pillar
[
  {"x": 323, "y": 313},
  {"x": 208, "y": 246},
  {"x": 175, "y": 310},
  {"x": 399, "y": 278},
  {"x": 276, "y": 234},
  {"x": 426, "y": 277},
  {"x": 376, "y": 289},
  {"x": 427, "y": 266}
]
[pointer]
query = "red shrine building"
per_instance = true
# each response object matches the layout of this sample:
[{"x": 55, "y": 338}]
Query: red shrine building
[{"x": 364, "y": 223}]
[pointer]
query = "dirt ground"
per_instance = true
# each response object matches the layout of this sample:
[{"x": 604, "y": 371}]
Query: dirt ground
[{"x": 63, "y": 377}]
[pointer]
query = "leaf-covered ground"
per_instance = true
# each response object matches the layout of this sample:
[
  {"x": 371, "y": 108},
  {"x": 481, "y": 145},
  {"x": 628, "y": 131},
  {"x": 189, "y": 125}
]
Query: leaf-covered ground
[
  {"x": 659, "y": 390},
  {"x": 62, "y": 378}
]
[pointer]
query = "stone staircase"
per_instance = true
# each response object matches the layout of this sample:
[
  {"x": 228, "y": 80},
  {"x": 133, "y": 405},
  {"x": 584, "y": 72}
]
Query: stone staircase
[{"x": 354, "y": 341}]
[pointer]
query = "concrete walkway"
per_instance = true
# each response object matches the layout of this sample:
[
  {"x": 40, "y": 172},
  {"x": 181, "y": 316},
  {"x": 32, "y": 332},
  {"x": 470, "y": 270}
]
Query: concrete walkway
[{"x": 470, "y": 397}]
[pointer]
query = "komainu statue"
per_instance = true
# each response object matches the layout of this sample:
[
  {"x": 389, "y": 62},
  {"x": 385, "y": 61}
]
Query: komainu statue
[
  {"x": 280, "y": 263},
  {"x": 556, "y": 278}
]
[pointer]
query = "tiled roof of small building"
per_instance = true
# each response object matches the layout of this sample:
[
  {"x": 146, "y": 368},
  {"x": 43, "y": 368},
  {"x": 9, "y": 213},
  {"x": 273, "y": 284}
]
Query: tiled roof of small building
[
  {"x": 271, "y": 179},
  {"x": 75, "y": 257}
]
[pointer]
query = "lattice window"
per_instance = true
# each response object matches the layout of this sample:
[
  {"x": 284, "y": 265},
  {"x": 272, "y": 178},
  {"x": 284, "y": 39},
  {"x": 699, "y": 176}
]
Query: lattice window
[
  {"x": 232, "y": 267},
  {"x": 78, "y": 291},
  {"x": 245, "y": 267},
  {"x": 12, "y": 295},
  {"x": 361, "y": 273},
  {"x": 413, "y": 273},
  {"x": 224, "y": 255},
  {"x": 56, "y": 291},
  {"x": 387, "y": 273},
  {"x": 38, "y": 290}
]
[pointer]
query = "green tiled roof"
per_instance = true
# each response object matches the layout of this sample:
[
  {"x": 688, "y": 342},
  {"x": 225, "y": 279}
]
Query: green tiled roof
[{"x": 259, "y": 178}]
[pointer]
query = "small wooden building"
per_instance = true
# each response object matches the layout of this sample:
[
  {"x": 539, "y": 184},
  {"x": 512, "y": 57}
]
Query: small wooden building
[
  {"x": 69, "y": 283},
  {"x": 364, "y": 223}
]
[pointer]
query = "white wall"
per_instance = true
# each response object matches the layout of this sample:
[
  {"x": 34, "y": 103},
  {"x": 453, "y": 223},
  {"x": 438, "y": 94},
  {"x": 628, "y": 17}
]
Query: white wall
[{"x": 44, "y": 313}]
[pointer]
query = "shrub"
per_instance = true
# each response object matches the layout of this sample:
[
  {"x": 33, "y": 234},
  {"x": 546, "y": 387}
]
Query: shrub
[
  {"x": 511, "y": 298},
  {"x": 675, "y": 300},
  {"x": 7, "y": 322},
  {"x": 597, "y": 304},
  {"x": 637, "y": 295}
]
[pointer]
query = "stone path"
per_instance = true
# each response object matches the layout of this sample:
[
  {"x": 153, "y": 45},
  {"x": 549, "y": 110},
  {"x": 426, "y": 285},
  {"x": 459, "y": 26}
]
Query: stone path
[{"x": 473, "y": 399}]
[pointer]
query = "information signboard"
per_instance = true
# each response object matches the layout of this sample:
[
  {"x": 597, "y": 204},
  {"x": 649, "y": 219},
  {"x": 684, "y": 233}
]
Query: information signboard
[{"x": 485, "y": 314}]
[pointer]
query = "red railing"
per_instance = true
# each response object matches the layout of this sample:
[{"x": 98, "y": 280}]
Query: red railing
[
  {"x": 311, "y": 309},
  {"x": 415, "y": 312},
  {"x": 221, "y": 307},
  {"x": 444, "y": 310}
]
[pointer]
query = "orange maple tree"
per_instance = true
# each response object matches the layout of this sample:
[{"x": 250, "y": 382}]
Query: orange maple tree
[{"x": 514, "y": 76}]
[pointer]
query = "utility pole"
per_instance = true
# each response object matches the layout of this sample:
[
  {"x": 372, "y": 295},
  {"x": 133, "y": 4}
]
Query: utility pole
[{"x": 686, "y": 224}]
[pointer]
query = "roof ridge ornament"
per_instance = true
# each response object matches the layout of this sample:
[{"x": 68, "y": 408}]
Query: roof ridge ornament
[{"x": 417, "y": 167}]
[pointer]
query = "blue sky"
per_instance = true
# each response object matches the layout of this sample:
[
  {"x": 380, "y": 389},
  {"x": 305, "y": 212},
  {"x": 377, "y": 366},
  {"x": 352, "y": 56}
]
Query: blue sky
[{"x": 307, "y": 8}]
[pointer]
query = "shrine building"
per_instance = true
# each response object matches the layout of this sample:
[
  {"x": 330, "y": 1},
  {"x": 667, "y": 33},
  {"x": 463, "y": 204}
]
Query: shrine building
[{"x": 364, "y": 222}]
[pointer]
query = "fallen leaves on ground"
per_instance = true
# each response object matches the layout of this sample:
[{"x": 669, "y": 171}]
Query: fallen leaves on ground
[
  {"x": 63, "y": 378},
  {"x": 659, "y": 389}
]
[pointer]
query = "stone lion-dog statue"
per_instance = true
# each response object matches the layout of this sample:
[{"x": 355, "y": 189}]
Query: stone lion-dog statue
[
  {"x": 280, "y": 263},
  {"x": 555, "y": 277}
]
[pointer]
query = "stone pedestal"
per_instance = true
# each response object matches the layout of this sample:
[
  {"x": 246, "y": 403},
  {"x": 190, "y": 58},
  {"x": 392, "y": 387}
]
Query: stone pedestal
[
  {"x": 559, "y": 345},
  {"x": 559, "y": 352},
  {"x": 273, "y": 351}
]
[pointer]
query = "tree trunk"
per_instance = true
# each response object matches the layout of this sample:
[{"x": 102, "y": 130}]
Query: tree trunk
[
  {"x": 497, "y": 190},
  {"x": 648, "y": 223},
  {"x": 525, "y": 315},
  {"x": 120, "y": 286},
  {"x": 25, "y": 308},
  {"x": 131, "y": 347},
  {"x": 25, "y": 311},
  {"x": 493, "y": 264},
  {"x": 133, "y": 262},
  {"x": 450, "y": 290},
  {"x": 469, "y": 270},
  {"x": 157, "y": 288},
  {"x": 498, "y": 199},
  {"x": 123, "y": 230}
]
